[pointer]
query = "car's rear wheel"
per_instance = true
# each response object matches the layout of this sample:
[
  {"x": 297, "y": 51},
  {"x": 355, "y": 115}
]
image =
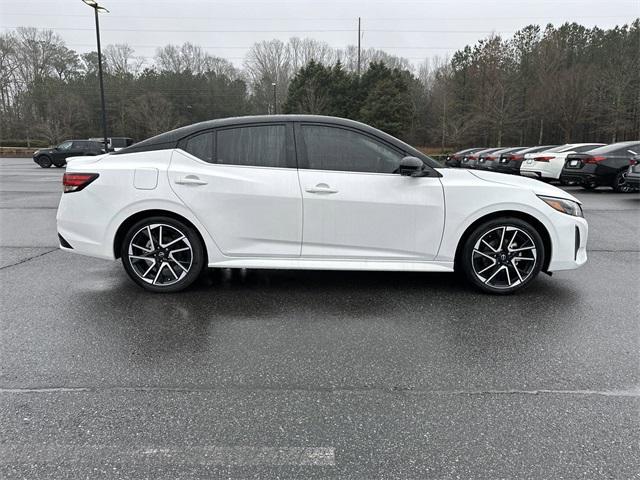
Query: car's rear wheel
[
  {"x": 44, "y": 161},
  {"x": 589, "y": 186},
  {"x": 503, "y": 255},
  {"x": 162, "y": 254}
]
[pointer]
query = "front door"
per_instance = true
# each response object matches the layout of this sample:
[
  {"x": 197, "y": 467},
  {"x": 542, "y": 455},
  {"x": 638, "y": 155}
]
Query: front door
[
  {"x": 357, "y": 205},
  {"x": 241, "y": 183}
]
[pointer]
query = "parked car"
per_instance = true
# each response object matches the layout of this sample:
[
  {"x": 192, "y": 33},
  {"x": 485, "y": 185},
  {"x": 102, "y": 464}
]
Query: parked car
[
  {"x": 487, "y": 162},
  {"x": 69, "y": 148},
  {"x": 510, "y": 162},
  {"x": 633, "y": 173},
  {"x": 547, "y": 165},
  {"x": 232, "y": 193},
  {"x": 471, "y": 161},
  {"x": 454, "y": 159},
  {"x": 604, "y": 166},
  {"x": 114, "y": 143}
]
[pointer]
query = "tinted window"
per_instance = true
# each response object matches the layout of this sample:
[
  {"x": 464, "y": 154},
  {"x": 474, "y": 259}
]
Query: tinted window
[
  {"x": 584, "y": 148},
  {"x": 65, "y": 145},
  {"x": 329, "y": 148},
  {"x": 201, "y": 146},
  {"x": 259, "y": 146}
]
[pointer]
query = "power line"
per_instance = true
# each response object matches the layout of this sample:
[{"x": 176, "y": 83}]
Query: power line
[{"x": 350, "y": 30}]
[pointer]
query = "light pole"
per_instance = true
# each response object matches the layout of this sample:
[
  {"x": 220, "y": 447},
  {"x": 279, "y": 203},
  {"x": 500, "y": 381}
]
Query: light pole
[
  {"x": 275, "y": 99},
  {"x": 98, "y": 8}
]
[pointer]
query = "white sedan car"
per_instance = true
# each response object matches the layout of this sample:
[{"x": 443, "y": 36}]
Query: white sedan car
[
  {"x": 548, "y": 165},
  {"x": 310, "y": 192}
]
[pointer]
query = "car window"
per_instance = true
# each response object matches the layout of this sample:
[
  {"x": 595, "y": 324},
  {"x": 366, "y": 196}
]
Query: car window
[
  {"x": 584, "y": 148},
  {"x": 65, "y": 145},
  {"x": 613, "y": 149},
  {"x": 201, "y": 146},
  {"x": 258, "y": 146},
  {"x": 332, "y": 148}
]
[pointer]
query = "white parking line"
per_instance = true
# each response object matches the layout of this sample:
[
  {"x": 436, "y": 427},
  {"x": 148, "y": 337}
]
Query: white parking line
[{"x": 194, "y": 455}]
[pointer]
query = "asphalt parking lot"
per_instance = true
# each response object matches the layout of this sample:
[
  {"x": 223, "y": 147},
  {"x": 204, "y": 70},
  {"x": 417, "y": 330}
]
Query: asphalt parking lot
[{"x": 313, "y": 374}]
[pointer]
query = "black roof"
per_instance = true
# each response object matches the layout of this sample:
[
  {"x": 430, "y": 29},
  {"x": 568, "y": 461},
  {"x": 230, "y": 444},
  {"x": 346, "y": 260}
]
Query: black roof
[{"x": 170, "y": 139}]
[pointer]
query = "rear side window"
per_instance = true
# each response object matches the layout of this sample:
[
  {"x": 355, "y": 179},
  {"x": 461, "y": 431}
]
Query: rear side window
[
  {"x": 258, "y": 146},
  {"x": 201, "y": 146}
]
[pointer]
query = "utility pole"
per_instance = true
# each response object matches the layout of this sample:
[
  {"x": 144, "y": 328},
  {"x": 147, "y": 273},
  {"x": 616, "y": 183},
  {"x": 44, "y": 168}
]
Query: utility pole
[
  {"x": 98, "y": 8},
  {"x": 275, "y": 98},
  {"x": 359, "y": 35}
]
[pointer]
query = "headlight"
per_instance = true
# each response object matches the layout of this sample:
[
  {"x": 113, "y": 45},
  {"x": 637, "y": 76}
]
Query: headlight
[{"x": 563, "y": 205}]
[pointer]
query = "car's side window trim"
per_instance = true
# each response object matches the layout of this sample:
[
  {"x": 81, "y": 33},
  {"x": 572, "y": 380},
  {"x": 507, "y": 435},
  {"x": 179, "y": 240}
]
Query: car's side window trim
[{"x": 301, "y": 148}]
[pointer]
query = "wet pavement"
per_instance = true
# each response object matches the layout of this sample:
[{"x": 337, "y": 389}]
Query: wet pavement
[{"x": 313, "y": 374}]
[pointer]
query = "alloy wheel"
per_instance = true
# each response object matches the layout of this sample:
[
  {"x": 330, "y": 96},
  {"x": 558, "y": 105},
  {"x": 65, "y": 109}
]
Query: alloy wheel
[
  {"x": 160, "y": 254},
  {"x": 504, "y": 257}
]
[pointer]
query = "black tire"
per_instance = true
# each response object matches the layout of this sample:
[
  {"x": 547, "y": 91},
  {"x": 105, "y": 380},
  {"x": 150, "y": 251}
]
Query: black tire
[
  {"x": 159, "y": 278},
  {"x": 60, "y": 164},
  {"x": 500, "y": 282},
  {"x": 589, "y": 186},
  {"x": 44, "y": 161},
  {"x": 620, "y": 184}
]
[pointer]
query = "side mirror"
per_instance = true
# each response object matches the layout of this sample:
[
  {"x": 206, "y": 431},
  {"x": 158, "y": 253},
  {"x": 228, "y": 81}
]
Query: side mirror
[{"x": 411, "y": 167}]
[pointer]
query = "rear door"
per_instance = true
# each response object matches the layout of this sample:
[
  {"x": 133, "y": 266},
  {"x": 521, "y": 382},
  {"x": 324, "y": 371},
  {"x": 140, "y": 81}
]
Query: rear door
[
  {"x": 357, "y": 205},
  {"x": 241, "y": 183}
]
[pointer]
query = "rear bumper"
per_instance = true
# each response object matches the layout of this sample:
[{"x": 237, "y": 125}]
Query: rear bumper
[
  {"x": 538, "y": 173},
  {"x": 512, "y": 168}
]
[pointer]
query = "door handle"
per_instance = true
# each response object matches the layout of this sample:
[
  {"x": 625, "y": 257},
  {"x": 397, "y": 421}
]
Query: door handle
[
  {"x": 190, "y": 180},
  {"x": 321, "y": 188}
]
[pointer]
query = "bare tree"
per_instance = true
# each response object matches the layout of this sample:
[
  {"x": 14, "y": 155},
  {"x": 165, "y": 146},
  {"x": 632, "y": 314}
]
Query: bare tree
[{"x": 120, "y": 60}]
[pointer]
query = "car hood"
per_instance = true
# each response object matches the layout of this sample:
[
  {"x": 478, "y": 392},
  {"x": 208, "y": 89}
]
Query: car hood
[{"x": 538, "y": 187}]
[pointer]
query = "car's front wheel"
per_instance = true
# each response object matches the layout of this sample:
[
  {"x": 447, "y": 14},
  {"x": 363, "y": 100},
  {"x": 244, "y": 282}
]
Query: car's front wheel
[
  {"x": 502, "y": 255},
  {"x": 44, "y": 161},
  {"x": 162, "y": 254}
]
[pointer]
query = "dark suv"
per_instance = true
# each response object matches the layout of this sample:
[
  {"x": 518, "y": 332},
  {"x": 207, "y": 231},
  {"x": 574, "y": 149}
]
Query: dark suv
[{"x": 69, "y": 148}]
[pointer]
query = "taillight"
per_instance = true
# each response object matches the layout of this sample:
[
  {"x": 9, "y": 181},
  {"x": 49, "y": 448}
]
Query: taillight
[
  {"x": 633, "y": 162},
  {"x": 512, "y": 157},
  {"x": 593, "y": 159},
  {"x": 491, "y": 157},
  {"x": 74, "y": 182},
  {"x": 543, "y": 159}
]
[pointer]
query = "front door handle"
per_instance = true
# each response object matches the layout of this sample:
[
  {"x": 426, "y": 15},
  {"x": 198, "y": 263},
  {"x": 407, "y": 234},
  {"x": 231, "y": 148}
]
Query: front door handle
[
  {"x": 321, "y": 188},
  {"x": 190, "y": 180}
]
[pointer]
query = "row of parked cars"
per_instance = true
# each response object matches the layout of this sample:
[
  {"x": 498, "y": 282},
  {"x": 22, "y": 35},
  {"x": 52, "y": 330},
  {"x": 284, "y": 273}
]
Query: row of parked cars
[
  {"x": 57, "y": 156},
  {"x": 590, "y": 165}
]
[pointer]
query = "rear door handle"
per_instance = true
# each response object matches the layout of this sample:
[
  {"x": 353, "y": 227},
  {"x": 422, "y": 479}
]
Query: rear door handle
[
  {"x": 321, "y": 188},
  {"x": 190, "y": 180}
]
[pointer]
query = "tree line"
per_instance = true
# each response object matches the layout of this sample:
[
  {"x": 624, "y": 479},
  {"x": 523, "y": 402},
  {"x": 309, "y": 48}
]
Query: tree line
[{"x": 542, "y": 85}]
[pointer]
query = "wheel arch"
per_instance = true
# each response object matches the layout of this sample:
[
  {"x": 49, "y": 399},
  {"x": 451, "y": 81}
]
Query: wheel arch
[
  {"x": 136, "y": 217},
  {"x": 535, "y": 223}
]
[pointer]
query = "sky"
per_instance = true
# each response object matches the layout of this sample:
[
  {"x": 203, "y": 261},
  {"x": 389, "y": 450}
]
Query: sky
[{"x": 412, "y": 29}]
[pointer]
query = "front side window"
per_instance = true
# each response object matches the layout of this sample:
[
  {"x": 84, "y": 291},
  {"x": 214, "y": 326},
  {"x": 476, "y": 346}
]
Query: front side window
[
  {"x": 258, "y": 146},
  {"x": 331, "y": 148},
  {"x": 65, "y": 145}
]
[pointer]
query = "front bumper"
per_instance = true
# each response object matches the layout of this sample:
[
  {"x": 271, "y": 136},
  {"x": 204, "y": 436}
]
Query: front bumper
[
  {"x": 633, "y": 179},
  {"x": 570, "y": 249}
]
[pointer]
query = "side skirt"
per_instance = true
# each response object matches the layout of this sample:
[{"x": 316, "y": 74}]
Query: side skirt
[{"x": 333, "y": 264}]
